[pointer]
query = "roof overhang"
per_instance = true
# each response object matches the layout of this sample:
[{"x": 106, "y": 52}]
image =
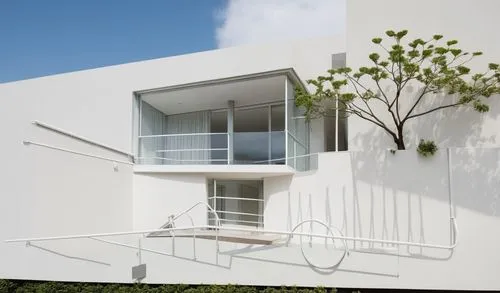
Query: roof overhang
[{"x": 244, "y": 90}]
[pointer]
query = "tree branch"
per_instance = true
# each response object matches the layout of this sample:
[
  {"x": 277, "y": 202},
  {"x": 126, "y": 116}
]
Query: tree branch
[
  {"x": 383, "y": 126},
  {"x": 424, "y": 92},
  {"x": 435, "y": 109}
]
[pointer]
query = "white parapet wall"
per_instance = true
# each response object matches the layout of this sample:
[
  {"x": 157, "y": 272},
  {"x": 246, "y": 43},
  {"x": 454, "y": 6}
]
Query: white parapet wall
[{"x": 374, "y": 195}]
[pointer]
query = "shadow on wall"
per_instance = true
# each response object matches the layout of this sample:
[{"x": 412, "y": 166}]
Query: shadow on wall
[
  {"x": 476, "y": 179},
  {"x": 475, "y": 171},
  {"x": 455, "y": 127},
  {"x": 475, "y": 176}
]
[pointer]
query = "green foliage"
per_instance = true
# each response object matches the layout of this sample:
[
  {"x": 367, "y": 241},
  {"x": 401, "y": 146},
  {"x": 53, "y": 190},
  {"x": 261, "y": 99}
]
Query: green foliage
[
  {"x": 7, "y": 286},
  {"x": 427, "y": 148},
  {"x": 433, "y": 67}
]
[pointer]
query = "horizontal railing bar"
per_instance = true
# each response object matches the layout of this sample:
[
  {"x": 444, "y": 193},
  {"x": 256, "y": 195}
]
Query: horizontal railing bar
[
  {"x": 28, "y": 142},
  {"x": 236, "y": 198},
  {"x": 211, "y": 133},
  {"x": 81, "y": 138},
  {"x": 272, "y": 160},
  {"x": 277, "y": 232},
  {"x": 181, "y": 134},
  {"x": 238, "y": 213},
  {"x": 239, "y": 221},
  {"x": 170, "y": 159},
  {"x": 306, "y": 155},
  {"x": 222, "y": 160},
  {"x": 190, "y": 150}
]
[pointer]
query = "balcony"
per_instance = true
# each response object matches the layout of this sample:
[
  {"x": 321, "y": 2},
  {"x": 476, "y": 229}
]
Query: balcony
[
  {"x": 249, "y": 148},
  {"x": 245, "y": 122}
]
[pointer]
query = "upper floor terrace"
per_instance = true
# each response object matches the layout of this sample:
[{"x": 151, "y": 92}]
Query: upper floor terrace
[{"x": 247, "y": 120}]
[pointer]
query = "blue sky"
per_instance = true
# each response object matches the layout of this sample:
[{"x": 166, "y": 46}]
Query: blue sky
[
  {"x": 44, "y": 37},
  {"x": 53, "y": 36}
]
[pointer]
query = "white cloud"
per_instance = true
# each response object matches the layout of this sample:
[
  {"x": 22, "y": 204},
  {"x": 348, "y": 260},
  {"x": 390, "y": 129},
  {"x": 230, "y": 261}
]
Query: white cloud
[{"x": 257, "y": 21}]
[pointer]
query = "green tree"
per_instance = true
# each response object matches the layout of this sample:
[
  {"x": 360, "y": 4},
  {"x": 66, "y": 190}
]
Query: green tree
[{"x": 433, "y": 66}]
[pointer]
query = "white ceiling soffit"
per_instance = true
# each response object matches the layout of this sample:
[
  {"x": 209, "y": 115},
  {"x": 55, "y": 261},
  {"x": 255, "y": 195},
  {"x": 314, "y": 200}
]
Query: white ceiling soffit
[{"x": 215, "y": 94}]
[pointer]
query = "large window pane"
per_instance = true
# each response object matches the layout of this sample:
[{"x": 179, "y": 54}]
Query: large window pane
[
  {"x": 251, "y": 136},
  {"x": 218, "y": 124},
  {"x": 278, "y": 117},
  {"x": 251, "y": 120}
]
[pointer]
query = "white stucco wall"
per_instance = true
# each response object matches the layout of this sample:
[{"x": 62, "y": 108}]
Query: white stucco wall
[
  {"x": 157, "y": 196},
  {"x": 473, "y": 23},
  {"x": 48, "y": 192},
  {"x": 401, "y": 197},
  {"x": 365, "y": 194}
]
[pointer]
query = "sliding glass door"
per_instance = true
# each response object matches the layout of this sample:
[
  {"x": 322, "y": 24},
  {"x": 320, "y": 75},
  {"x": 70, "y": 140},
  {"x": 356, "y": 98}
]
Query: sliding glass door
[
  {"x": 259, "y": 136},
  {"x": 236, "y": 202}
]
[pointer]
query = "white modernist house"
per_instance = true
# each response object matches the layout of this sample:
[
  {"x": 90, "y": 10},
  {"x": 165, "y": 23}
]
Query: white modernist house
[{"x": 200, "y": 169}]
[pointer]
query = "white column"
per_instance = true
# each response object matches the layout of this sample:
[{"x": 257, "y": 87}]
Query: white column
[
  {"x": 269, "y": 135},
  {"x": 336, "y": 125},
  {"x": 286, "y": 121},
  {"x": 230, "y": 132}
]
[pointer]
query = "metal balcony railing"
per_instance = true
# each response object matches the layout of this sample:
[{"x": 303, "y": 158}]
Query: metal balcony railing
[
  {"x": 239, "y": 215},
  {"x": 242, "y": 148}
]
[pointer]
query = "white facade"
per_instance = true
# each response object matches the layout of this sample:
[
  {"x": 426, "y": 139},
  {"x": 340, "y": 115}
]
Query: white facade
[{"x": 366, "y": 192}]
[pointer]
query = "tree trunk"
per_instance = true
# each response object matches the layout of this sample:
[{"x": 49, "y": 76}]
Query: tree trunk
[{"x": 400, "y": 142}]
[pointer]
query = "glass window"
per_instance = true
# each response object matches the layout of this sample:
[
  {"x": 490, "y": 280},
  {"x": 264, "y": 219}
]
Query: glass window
[
  {"x": 278, "y": 117},
  {"x": 218, "y": 142},
  {"x": 251, "y": 136}
]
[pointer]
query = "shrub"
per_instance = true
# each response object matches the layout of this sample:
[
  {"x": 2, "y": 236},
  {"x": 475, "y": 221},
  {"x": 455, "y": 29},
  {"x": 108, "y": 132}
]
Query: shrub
[
  {"x": 19, "y": 286},
  {"x": 427, "y": 148}
]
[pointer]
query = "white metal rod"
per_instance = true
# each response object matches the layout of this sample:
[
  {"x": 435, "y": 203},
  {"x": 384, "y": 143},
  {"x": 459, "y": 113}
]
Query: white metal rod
[
  {"x": 182, "y": 134},
  {"x": 450, "y": 185},
  {"x": 230, "y": 131},
  {"x": 286, "y": 121},
  {"x": 238, "y": 213},
  {"x": 242, "y": 221},
  {"x": 336, "y": 125},
  {"x": 277, "y": 232},
  {"x": 128, "y": 246},
  {"x": 220, "y": 160},
  {"x": 215, "y": 199},
  {"x": 265, "y": 161},
  {"x": 269, "y": 136},
  {"x": 237, "y": 198},
  {"x": 229, "y": 150},
  {"x": 28, "y": 142},
  {"x": 177, "y": 160},
  {"x": 191, "y": 150},
  {"x": 81, "y": 138},
  {"x": 295, "y": 154},
  {"x": 297, "y": 140},
  {"x": 140, "y": 251}
]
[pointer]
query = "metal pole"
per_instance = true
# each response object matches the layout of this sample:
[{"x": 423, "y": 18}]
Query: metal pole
[
  {"x": 139, "y": 253},
  {"x": 286, "y": 121},
  {"x": 230, "y": 131},
  {"x": 450, "y": 193},
  {"x": 336, "y": 125},
  {"x": 269, "y": 137},
  {"x": 295, "y": 154},
  {"x": 215, "y": 198}
]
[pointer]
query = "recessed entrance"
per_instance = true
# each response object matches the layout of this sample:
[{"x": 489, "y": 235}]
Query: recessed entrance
[{"x": 237, "y": 202}]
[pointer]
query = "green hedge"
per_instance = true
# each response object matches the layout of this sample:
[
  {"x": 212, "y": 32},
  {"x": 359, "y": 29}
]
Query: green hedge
[{"x": 9, "y": 286}]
